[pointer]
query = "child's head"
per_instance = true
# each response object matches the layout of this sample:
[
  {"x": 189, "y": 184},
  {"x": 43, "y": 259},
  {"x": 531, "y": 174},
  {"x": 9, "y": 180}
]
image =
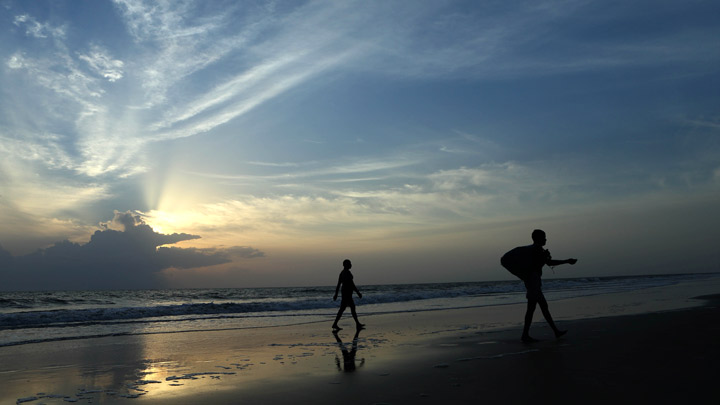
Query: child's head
[{"x": 347, "y": 264}]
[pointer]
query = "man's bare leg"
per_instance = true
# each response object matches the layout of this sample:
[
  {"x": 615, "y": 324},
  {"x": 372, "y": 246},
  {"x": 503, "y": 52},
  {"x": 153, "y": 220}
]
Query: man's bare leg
[
  {"x": 528, "y": 320},
  {"x": 546, "y": 313}
]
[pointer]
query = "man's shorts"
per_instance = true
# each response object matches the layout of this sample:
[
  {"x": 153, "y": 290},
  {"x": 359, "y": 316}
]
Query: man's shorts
[{"x": 533, "y": 285}]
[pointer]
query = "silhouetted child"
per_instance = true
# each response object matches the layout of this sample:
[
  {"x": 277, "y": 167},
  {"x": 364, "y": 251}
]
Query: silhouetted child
[
  {"x": 531, "y": 260},
  {"x": 346, "y": 286}
]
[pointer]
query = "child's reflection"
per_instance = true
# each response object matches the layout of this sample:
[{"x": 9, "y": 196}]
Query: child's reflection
[{"x": 348, "y": 362}]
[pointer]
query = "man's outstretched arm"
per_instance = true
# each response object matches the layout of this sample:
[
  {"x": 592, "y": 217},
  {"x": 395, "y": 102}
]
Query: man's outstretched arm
[{"x": 552, "y": 262}]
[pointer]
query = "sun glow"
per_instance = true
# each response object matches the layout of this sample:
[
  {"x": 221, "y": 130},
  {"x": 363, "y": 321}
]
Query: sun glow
[
  {"x": 176, "y": 204},
  {"x": 168, "y": 222}
]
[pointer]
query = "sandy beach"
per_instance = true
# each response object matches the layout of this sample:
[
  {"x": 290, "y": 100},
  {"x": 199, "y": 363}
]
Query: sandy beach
[{"x": 657, "y": 345}]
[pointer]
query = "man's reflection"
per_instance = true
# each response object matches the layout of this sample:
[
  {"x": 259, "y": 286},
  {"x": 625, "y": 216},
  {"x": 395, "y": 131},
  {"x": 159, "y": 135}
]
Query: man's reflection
[{"x": 348, "y": 362}]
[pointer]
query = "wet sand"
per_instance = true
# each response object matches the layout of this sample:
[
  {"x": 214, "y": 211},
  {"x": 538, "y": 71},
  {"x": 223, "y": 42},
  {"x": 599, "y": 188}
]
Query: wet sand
[{"x": 656, "y": 345}]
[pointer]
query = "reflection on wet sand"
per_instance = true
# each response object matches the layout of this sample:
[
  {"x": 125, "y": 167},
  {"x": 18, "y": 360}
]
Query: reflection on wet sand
[
  {"x": 348, "y": 356},
  {"x": 167, "y": 366},
  {"x": 106, "y": 370}
]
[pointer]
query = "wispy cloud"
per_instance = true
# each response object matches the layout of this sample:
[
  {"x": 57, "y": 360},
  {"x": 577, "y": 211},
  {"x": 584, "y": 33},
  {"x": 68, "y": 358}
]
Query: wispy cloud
[
  {"x": 44, "y": 148},
  {"x": 36, "y": 29},
  {"x": 243, "y": 57},
  {"x": 103, "y": 64},
  {"x": 272, "y": 164},
  {"x": 443, "y": 198},
  {"x": 704, "y": 123},
  {"x": 243, "y": 103},
  {"x": 527, "y": 39},
  {"x": 45, "y": 196},
  {"x": 59, "y": 74},
  {"x": 294, "y": 49},
  {"x": 172, "y": 43},
  {"x": 317, "y": 170}
]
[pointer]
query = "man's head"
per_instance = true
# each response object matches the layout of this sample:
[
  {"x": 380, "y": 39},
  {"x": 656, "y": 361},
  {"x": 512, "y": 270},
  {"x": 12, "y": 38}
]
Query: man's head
[
  {"x": 538, "y": 237},
  {"x": 347, "y": 264}
]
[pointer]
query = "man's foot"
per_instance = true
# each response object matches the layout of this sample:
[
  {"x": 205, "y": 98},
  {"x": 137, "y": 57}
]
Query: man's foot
[
  {"x": 335, "y": 327},
  {"x": 528, "y": 339},
  {"x": 360, "y": 325},
  {"x": 559, "y": 333}
]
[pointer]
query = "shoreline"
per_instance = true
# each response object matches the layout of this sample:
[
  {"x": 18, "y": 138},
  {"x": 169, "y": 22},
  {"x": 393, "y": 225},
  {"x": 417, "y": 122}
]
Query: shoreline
[
  {"x": 38, "y": 317},
  {"x": 657, "y": 343}
]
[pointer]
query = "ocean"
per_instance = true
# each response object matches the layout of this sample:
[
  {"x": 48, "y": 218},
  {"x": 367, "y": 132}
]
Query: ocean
[{"x": 46, "y": 316}]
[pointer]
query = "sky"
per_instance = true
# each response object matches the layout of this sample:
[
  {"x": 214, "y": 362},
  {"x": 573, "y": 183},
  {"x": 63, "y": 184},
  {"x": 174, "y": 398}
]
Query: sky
[{"x": 182, "y": 144}]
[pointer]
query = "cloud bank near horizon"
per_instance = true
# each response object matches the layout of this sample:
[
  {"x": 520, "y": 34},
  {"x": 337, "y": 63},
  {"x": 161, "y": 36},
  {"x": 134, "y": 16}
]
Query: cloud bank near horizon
[{"x": 129, "y": 258}]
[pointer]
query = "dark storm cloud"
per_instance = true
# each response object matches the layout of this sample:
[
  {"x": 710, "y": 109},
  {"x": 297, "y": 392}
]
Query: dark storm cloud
[
  {"x": 136, "y": 232},
  {"x": 112, "y": 259}
]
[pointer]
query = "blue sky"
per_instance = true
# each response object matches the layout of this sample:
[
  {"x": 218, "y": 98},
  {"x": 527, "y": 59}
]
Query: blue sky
[{"x": 421, "y": 139}]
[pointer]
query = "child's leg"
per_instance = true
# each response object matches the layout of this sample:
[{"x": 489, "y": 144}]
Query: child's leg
[
  {"x": 343, "y": 305},
  {"x": 354, "y": 314}
]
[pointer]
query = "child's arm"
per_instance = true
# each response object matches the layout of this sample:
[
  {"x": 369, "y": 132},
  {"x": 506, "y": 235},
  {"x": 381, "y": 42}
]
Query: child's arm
[{"x": 337, "y": 288}]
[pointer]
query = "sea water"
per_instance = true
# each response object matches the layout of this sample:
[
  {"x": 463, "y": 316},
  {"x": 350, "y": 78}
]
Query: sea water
[{"x": 42, "y": 316}]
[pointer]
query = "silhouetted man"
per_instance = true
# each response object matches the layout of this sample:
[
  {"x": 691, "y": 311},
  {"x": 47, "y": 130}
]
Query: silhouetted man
[
  {"x": 526, "y": 262},
  {"x": 346, "y": 285}
]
